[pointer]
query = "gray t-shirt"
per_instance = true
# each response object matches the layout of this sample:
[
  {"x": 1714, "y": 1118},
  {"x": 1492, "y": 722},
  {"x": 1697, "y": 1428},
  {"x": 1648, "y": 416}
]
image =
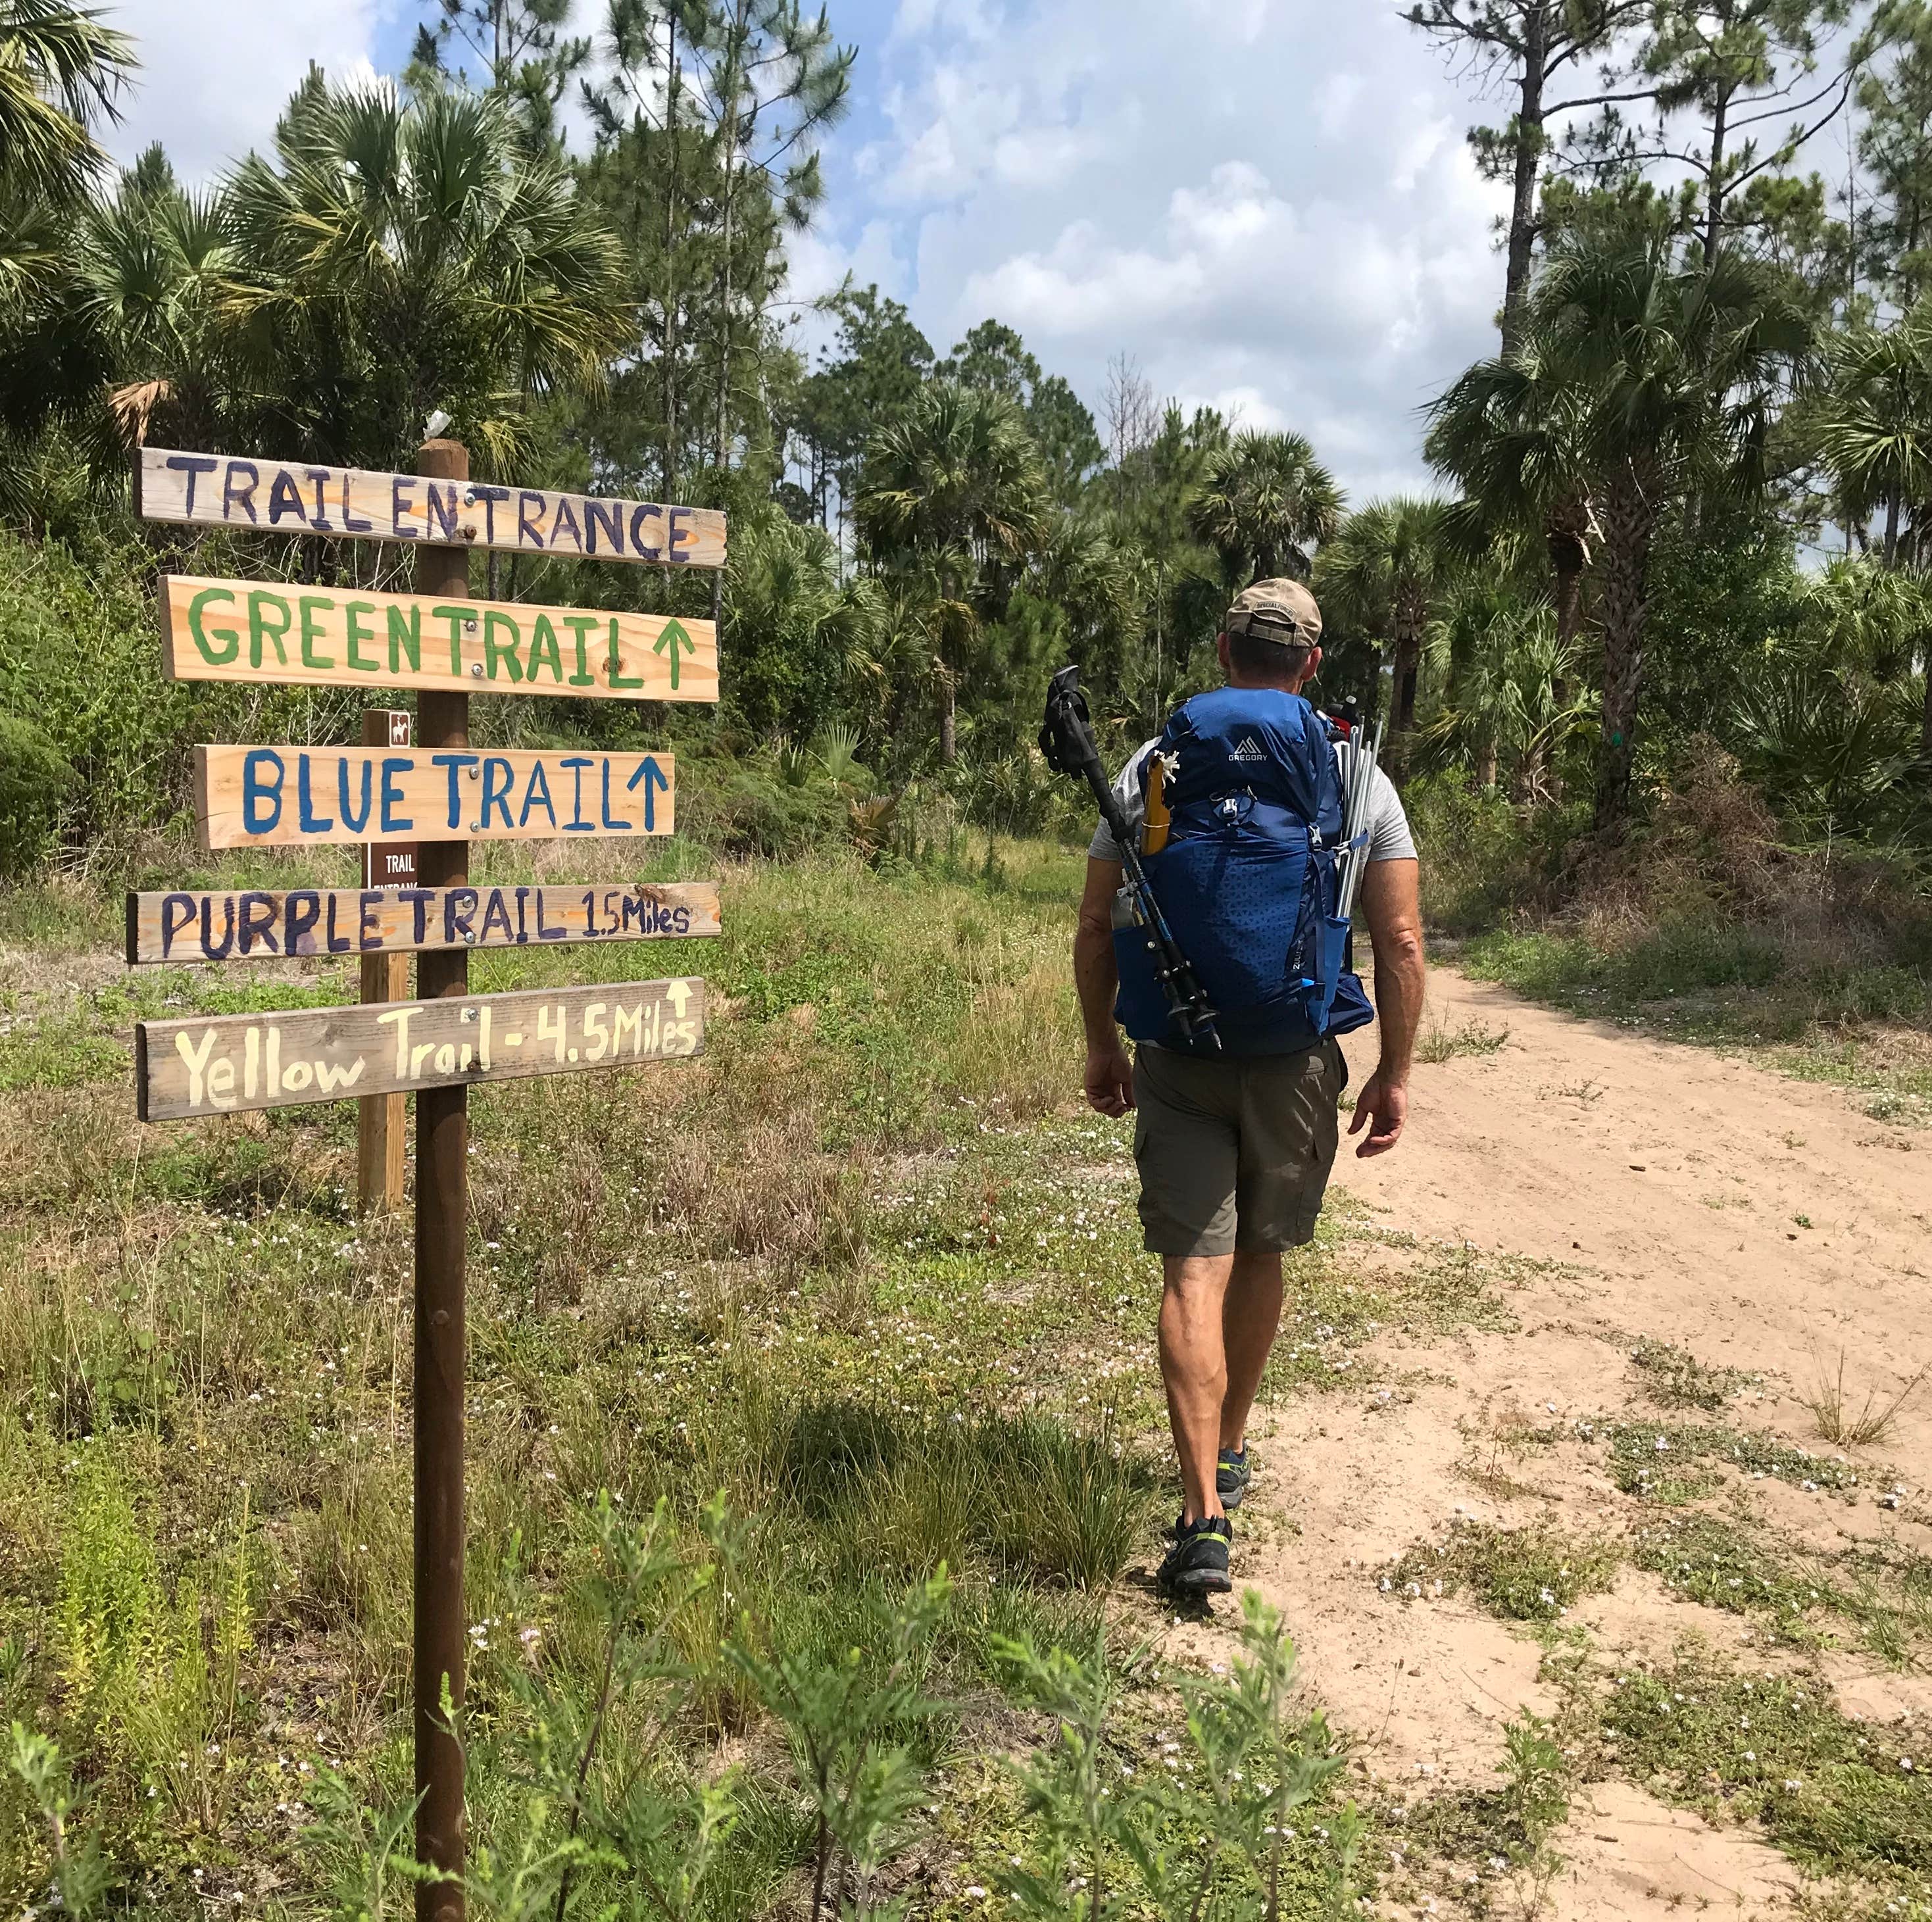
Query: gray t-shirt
[{"x": 1389, "y": 836}]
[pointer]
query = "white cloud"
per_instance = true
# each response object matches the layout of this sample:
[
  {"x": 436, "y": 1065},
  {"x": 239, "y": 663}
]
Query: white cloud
[
  {"x": 216, "y": 73},
  {"x": 1268, "y": 203}
]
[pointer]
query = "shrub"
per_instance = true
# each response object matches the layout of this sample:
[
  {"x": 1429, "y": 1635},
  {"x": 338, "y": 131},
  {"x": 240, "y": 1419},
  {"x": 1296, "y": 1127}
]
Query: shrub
[{"x": 35, "y": 778}]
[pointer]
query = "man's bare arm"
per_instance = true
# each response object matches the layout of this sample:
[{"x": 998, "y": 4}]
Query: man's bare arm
[
  {"x": 1110, "y": 1074},
  {"x": 1392, "y": 906}
]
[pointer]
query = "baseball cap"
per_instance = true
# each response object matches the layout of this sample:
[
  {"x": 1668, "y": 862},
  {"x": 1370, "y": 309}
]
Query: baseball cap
[{"x": 1283, "y": 612}]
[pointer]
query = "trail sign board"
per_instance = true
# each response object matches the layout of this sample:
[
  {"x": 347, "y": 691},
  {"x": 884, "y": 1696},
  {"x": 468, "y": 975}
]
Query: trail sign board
[
  {"x": 237, "y": 630},
  {"x": 389, "y": 864},
  {"x": 279, "y": 797},
  {"x": 229, "y": 1063},
  {"x": 257, "y": 924},
  {"x": 288, "y": 497}
]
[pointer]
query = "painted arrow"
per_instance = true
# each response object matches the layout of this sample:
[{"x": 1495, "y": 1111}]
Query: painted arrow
[
  {"x": 674, "y": 637},
  {"x": 678, "y": 993}
]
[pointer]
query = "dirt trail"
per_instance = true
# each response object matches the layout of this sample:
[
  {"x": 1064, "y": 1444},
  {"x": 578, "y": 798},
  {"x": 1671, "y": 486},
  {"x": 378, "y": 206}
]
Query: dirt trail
[{"x": 1758, "y": 1222}]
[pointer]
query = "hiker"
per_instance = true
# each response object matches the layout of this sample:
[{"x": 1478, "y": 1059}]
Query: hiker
[{"x": 1234, "y": 1148}]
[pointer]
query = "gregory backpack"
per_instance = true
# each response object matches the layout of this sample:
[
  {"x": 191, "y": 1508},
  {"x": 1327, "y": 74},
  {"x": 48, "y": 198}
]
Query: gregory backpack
[{"x": 1247, "y": 877}]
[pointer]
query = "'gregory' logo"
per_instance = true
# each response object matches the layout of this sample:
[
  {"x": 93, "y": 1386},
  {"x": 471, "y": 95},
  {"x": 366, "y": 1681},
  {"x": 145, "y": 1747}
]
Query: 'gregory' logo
[{"x": 1250, "y": 750}]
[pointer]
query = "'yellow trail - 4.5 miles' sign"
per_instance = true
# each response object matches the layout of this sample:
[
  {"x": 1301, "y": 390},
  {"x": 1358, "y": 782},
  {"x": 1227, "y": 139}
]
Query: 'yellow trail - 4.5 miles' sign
[
  {"x": 232, "y": 630},
  {"x": 232, "y": 1062}
]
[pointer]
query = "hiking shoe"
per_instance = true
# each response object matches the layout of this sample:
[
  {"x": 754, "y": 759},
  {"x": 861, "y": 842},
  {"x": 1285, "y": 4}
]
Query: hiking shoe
[
  {"x": 1197, "y": 1564},
  {"x": 1232, "y": 1473}
]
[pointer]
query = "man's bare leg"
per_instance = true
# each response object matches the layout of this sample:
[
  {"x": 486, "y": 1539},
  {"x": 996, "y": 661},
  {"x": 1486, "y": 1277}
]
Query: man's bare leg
[
  {"x": 1250, "y": 1319},
  {"x": 1194, "y": 1367}
]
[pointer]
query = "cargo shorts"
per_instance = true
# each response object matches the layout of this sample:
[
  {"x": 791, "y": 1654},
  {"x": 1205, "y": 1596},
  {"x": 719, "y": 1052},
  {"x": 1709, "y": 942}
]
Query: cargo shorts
[{"x": 1234, "y": 1155}]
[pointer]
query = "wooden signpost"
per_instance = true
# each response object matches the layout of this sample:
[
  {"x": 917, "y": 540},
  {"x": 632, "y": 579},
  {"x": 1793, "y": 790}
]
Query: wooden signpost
[
  {"x": 229, "y": 631},
  {"x": 429, "y": 800},
  {"x": 381, "y": 1121}
]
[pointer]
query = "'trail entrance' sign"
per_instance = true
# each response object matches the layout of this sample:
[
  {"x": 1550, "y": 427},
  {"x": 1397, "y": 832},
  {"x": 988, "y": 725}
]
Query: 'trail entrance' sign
[
  {"x": 229, "y": 631},
  {"x": 234, "y": 1062},
  {"x": 283, "y": 497}
]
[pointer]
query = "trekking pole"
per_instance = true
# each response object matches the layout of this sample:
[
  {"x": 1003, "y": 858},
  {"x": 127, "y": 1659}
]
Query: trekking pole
[{"x": 1067, "y": 739}]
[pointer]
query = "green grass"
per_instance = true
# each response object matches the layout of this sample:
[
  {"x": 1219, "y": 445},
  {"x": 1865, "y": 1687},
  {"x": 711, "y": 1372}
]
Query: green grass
[
  {"x": 1440, "y": 1043},
  {"x": 1528, "y": 1574},
  {"x": 864, "y": 1271},
  {"x": 1673, "y": 1377},
  {"x": 1859, "y": 1023},
  {"x": 1672, "y": 1463},
  {"x": 1840, "y": 1797}
]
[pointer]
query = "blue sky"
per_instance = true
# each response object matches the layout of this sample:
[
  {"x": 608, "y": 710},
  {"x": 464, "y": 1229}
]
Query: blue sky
[{"x": 1268, "y": 204}]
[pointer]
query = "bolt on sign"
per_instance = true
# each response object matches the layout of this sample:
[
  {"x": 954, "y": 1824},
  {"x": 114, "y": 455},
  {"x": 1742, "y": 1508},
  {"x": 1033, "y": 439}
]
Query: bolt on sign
[
  {"x": 284, "y": 497},
  {"x": 281, "y": 797},
  {"x": 229, "y": 631}
]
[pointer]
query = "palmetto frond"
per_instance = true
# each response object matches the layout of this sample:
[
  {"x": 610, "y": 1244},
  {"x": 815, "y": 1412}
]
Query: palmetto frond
[
  {"x": 61, "y": 70},
  {"x": 1265, "y": 504}
]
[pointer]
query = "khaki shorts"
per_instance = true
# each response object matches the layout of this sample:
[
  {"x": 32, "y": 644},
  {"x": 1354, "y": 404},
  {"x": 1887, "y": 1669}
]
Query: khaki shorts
[{"x": 1234, "y": 1155}]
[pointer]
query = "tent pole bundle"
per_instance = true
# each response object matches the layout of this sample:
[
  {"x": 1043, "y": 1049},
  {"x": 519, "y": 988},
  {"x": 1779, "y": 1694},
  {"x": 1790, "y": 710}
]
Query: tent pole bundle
[{"x": 1365, "y": 754}]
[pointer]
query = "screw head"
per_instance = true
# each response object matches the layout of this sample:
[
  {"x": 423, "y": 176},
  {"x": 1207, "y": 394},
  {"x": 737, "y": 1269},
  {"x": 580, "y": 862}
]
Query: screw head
[
  {"x": 476, "y": 670},
  {"x": 470, "y": 940}
]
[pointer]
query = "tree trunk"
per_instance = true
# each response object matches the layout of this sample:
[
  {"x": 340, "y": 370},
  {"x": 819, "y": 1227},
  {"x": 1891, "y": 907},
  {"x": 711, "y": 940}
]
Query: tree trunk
[
  {"x": 1629, "y": 521},
  {"x": 948, "y": 719},
  {"x": 1925, "y": 725},
  {"x": 1529, "y": 173},
  {"x": 730, "y": 79},
  {"x": 671, "y": 295},
  {"x": 1713, "y": 213},
  {"x": 1485, "y": 765},
  {"x": 1407, "y": 667}
]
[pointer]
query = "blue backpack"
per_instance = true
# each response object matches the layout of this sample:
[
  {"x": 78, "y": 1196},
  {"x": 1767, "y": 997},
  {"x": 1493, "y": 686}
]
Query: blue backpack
[{"x": 1247, "y": 878}]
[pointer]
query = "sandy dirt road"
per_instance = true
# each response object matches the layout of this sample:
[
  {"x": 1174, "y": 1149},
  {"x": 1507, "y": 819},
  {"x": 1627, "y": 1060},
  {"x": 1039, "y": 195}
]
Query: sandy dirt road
[{"x": 1656, "y": 1191}]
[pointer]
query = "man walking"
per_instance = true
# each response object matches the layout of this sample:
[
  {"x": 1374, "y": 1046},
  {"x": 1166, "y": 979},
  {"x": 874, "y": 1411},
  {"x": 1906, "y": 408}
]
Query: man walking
[{"x": 1234, "y": 1148}]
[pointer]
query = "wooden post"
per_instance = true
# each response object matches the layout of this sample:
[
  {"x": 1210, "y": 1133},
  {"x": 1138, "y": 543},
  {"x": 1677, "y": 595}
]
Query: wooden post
[
  {"x": 442, "y": 1133},
  {"x": 381, "y": 1122}
]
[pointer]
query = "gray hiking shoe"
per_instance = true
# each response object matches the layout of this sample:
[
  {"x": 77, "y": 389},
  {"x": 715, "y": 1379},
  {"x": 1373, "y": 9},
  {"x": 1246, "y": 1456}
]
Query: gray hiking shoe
[
  {"x": 1232, "y": 1473},
  {"x": 1197, "y": 1564}
]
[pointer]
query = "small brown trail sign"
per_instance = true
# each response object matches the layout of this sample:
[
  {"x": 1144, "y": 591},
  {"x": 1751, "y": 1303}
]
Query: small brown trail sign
[
  {"x": 261, "y": 925},
  {"x": 236, "y": 630},
  {"x": 287, "y": 497},
  {"x": 279, "y": 797},
  {"x": 230, "y": 1063}
]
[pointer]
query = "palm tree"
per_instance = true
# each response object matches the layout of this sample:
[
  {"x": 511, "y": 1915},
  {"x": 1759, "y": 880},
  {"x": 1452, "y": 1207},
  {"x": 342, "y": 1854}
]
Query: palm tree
[
  {"x": 954, "y": 486},
  {"x": 1510, "y": 433},
  {"x": 1265, "y": 501},
  {"x": 1673, "y": 367},
  {"x": 60, "y": 70},
  {"x": 1873, "y": 431},
  {"x": 1508, "y": 671},
  {"x": 1383, "y": 574},
  {"x": 403, "y": 258}
]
